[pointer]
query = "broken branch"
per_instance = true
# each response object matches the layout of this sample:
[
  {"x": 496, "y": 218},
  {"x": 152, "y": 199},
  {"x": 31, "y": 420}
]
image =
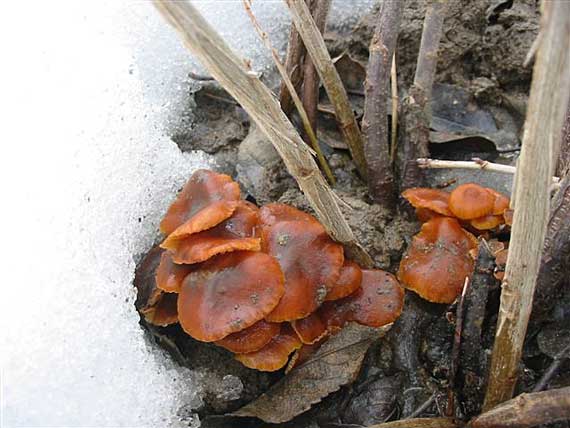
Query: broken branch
[
  {"x": 548, "y": 99},
  {"x": 528, "y": 410},
  {"x": 377, "y": 92},
  {"x": 319, "y": 54},
  {"x": 258, "y": 101}
]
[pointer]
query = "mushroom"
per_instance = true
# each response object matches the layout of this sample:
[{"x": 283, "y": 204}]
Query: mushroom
[
  {"x": 169, "y": 275},
  {"x": 310, "y": 261},
  {"x": 310, "y": 329},
  {"x": 207, "y": 199},
  {"x": 271, "y": 214},
  {"x": 487, "y": 222},
  {"x": 438, "y": 260},
  {"x": 228, "y": 293},
  {"x": 250, "y": 339},
  {"x": 469, "y": 201},
  {"x": 275, "y": 354},
  {"x": 428, "y": 201},
  {"x": 238, "y": 232},
  {"x": 347, "y": 283},
  {"x": 156, "y": 306},
  {"x": 378, "y": 301}
]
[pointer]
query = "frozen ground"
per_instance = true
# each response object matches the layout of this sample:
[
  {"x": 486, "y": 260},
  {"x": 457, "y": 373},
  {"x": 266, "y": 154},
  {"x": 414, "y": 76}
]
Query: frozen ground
[{"x": 88, "y": 91}]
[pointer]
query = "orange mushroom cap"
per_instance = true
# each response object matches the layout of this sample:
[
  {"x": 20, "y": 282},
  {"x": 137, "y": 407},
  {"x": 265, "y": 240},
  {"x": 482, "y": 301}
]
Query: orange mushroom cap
[
  {"x": 164, "y": 311},
  {"x": 487, "y": 222},
  {"x": 157, "y": 307},
  {"x": 310, "y": 329},
  {"x": 378, "y": 301},
  {"x": 436, "y": 200},
  {"x": 438, "y": 260},
  {"x": 238, "y": 232},
  {"x": 501, "y": 203},
  {"x": 169, "y": 275},
  {"x": 311, "y": 263},
  {"x": 275, "y": 354},
  {"x": 250, "y": 339},
  {"x": 348, "y": 281},
  {"x": 271, "y": 214},
  {"x": 207, "y": 199},
  {"x": 228, "y": 293},
  {"x": 469, "y": 201}
]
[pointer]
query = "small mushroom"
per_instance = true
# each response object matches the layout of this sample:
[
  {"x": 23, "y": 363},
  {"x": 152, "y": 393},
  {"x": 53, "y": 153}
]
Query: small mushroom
[
  {"x": 501, "y": 203},
  {"x": 469, "y": 201},
  {"x": 311, "y": 263},
  {"x": 250, "y": 339},
  {"x": 310, "y": 329},
  {"x": 348, "y": 282},
  {"x": 228, "y": 293},
  {"x": 238, "y": 232},
  {"x": 438, "y": 260},
  {"x": 275, "y": 354},
  {"x": 271, "y": 214},
  {"x": 487, "y": 222},
  {"x": 378, "y": 301},
  {"x": 156, "y": 306},
  {"x": 434, "y": 200},
  {"x": 207, "y": 199},
  {"x": 169, "y": 275}
]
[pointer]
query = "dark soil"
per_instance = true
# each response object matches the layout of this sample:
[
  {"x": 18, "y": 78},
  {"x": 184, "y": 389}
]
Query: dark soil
[{"x": 480, "y": 101}]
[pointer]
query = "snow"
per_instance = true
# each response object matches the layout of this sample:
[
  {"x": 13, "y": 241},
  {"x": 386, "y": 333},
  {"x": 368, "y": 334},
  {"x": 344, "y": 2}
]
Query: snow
[{"x": 90, "y": 91}]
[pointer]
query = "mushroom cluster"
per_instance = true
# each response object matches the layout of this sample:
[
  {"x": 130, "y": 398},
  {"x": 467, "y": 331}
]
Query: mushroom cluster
[
  {"x": 442, "y": 254},
  {"x": 262, "y": 282}
]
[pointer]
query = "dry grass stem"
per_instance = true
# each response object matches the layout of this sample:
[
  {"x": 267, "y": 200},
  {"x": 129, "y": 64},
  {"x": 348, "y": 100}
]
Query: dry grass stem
[
  {"x": 315, "y": 45},
  {"x": 293, "y": 93},
  {"x": 547, "y": 104},
  {"x": 395, "y": 102},
  {"x": 258, "y": 101}
]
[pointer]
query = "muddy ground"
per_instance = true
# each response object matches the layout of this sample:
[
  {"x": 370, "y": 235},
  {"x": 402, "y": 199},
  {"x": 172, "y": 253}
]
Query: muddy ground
[{"x": 479, "y": 106}]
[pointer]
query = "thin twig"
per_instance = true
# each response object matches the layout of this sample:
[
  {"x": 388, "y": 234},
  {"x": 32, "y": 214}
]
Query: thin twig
[
  {"x": 552, "y": 369},
  {"x": 294, "y": 65},
  {"x": 199, "y": 77},
  {"x": 450, "y": 411},
  {"x": 258, "y": 101},
  {"x": 317, "y": 49},
  {"x": 476, "y": 163},
  {"x": 528, "y": 410},
  {"x": 423, "y": 407},
  {"x": 377, "y": 90},
  {"x": 416, "y": 109},
  {"x": 293, "y": 93},
  {"x": 547, "y": 103},
  {"x": 395, "y": 101}
]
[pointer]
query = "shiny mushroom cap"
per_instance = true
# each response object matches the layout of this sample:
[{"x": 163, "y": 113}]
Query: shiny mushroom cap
[
  {"x": 378, "y": 301},
  {"x": 275, "y": 354},
  {"x": 310, "y": 329},
  {"x": 207, "y": 199},
  {"x": 229, "y": 293},
  {"x": 438, "y": 260},
  {"x": 311, "y": 263},
  {"x": 435, "y": 200},
  {"x": 250, "y": 339},
  {"x": 238, "y": 232},
  {"x": 169, "y": 275},
  {"x": 347, "y": 283},
  {"x": 469, "y": 201}
]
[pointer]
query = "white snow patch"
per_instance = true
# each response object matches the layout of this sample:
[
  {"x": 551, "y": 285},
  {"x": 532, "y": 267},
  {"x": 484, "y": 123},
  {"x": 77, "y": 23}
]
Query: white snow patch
[{"x": 88, "y": 91}]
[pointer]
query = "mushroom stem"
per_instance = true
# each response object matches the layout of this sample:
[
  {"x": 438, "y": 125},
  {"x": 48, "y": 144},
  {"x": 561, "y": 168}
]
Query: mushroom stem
[
  {"x": 476, "y": 163},
  {"x": 548, "y": 99}
]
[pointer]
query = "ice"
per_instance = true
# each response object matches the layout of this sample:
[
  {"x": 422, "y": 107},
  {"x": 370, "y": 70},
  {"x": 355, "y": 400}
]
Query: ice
[{"x": 90, "y": 91}]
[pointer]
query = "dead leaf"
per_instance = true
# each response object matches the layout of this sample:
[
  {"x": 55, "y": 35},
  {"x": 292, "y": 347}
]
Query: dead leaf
[{"x": 335, "y": 364}]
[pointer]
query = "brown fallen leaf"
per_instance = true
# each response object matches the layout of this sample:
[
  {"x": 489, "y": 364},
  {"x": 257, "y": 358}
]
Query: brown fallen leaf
[{"x": 335, "y": 364}]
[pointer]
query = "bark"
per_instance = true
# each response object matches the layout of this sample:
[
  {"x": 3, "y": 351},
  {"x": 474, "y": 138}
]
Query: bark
[{"x": 377, "y": 93}]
